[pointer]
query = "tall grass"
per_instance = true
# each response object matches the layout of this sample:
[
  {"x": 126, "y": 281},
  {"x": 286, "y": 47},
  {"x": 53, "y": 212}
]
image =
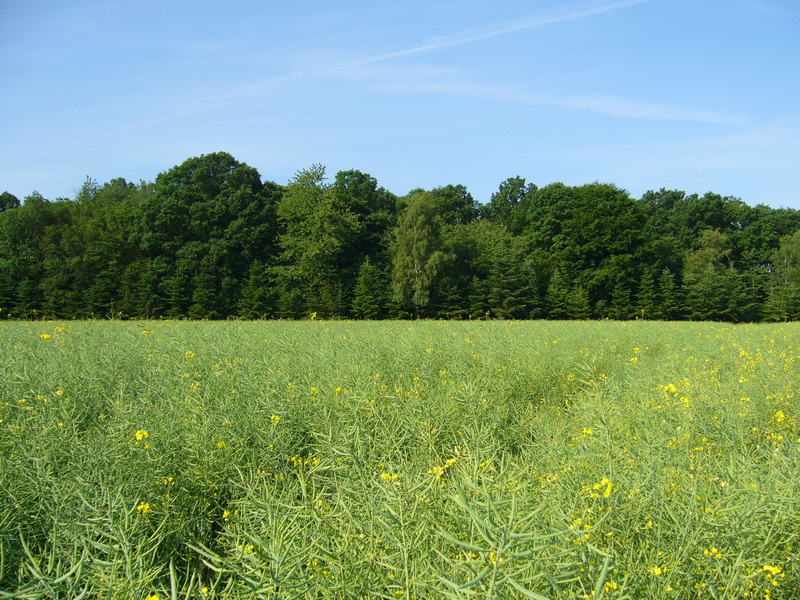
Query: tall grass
[{"x": 399, "y": 460}]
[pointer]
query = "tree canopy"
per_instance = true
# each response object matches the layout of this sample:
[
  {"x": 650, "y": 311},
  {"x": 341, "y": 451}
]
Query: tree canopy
[{"x": 209, "y": 239}]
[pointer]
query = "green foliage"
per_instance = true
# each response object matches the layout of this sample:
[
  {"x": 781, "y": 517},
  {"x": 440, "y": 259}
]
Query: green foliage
[
  {"x": 669, "y": 307},
  {"x": 784, "y": 296},
  {"x": 8, "y": 201},
  {"x": 499, "y": 459},
  {"x": 259, "y": 298},
  {"x": 209, "y": 240},
  {"x": 417, "y": 251},
  {"x": 206, "y": 221},
  {"x": 558, "y": 296},
  {"x": 454, "y": 205},
  {"x": 502, "y": 206},
  {"x": 502, "y": 277},
  {"x": 371, "y": 298},
  {"x": 712, "y": 285},
  {"x": 327, "y": 232}
]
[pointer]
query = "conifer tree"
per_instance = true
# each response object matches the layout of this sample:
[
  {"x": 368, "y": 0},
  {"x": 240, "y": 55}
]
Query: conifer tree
[
  {"x": 370, "y": 298},
  {"x": 558, "y": 294},
  {"x": 258, "y": 296},
  {"x": 579, "y": 307},
  {"x": 646, "y": 300},
  {"x": 669, "y": 306}
]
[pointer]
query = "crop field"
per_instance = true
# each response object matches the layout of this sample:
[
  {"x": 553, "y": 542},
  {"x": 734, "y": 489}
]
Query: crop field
[{"x": 495, "y": 459}]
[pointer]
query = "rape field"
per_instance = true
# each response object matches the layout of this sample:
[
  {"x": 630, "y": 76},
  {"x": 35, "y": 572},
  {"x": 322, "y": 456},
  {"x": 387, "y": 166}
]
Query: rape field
[{"x": 155, "y": 460}]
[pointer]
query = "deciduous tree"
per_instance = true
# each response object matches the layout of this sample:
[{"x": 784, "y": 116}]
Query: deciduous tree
[{"x": 418, "y": 253}]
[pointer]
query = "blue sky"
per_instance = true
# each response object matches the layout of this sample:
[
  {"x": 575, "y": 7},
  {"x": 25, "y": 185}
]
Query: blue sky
[{"x": 696, "y": 95}]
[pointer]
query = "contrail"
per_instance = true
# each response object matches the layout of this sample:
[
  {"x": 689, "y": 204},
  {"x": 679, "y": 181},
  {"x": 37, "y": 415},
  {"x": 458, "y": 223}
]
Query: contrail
[
  {"x": 570, "y": 12},
  {"x": 207, "y": 104},
  {"x": 549, "y": 17},
  {"x": 560, "y": 14}
]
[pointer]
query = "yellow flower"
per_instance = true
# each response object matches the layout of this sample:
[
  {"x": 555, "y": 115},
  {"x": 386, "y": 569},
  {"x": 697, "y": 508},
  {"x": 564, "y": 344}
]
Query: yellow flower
[
  {"x": 772, "y": 573},
  {"x": 275, "y": 419},
  {"x": 603, "y": 483},
  {"x": 494, "y": 559},
  {"x": 45, "y": 336},
  {"x": 655, "y": 570},
  {"x": 152, "y": 597},
  {"x": 438, "y": 471},
  {"x": 142, "y": 434},
  {"x": 144, "y": 508}
]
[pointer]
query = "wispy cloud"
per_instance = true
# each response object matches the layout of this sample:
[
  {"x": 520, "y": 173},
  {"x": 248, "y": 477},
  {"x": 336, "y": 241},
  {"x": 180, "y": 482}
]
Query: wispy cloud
[
  {"x": 630, "y": 109},
  {"x": 560, "y": 14},
  {"x": 756, "y": 162},
  {"x": 429, "y": 80},
  {"x": 422, "y": 79}
]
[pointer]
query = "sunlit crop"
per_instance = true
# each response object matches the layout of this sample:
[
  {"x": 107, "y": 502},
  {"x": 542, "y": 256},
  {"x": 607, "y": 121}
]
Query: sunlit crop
[{"x": 316, "y": 459}]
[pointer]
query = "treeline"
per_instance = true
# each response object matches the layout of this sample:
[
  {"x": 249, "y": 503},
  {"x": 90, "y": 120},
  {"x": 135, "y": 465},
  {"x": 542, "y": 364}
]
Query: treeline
[{"x": 210, "y": 240}]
